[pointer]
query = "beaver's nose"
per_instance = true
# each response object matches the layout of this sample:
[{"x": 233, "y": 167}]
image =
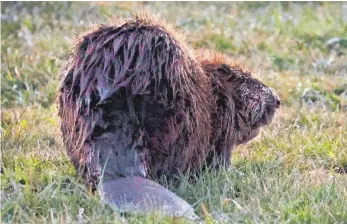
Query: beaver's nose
[
  {"x": 276, "y": 98},
  {"x": 278, "y": 103}
]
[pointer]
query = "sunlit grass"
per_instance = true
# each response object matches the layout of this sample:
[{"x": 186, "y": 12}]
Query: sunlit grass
[{"x": 295, "y": 172}]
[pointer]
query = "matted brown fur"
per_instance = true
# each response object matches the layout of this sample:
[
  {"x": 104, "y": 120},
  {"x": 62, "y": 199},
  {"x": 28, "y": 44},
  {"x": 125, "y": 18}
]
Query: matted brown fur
[{"x": 134, "y": 101}]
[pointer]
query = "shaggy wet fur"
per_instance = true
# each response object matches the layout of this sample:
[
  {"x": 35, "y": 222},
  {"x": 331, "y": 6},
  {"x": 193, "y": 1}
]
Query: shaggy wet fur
[{"x": 135, "y": 102}]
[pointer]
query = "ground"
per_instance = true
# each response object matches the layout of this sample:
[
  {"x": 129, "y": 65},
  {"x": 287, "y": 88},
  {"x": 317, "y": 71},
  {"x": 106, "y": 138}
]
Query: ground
[{"x": 295, "y": 172}]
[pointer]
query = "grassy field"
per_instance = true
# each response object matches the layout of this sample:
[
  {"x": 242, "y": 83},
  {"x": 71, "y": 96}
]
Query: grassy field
[{"x": 295, "y": 172}]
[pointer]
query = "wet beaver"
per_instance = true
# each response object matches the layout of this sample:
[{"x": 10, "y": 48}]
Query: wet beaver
[{"x": 135, "y": 102}]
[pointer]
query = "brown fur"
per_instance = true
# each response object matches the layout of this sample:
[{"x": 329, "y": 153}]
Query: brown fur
[
  {"x": 135, "y": 101},
  {"x": 132, "y": 97}
]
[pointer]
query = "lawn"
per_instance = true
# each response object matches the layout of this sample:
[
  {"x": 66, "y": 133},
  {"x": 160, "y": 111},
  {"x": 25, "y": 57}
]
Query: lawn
[{"x": 295, "y": 172}]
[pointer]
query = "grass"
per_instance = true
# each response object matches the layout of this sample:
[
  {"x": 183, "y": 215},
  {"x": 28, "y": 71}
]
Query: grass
[{"x": 295, "y": 172}]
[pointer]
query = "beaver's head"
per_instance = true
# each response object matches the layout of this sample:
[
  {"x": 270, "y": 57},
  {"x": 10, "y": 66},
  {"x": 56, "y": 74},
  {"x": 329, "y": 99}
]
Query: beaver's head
[{"x": 255, "y": 103}]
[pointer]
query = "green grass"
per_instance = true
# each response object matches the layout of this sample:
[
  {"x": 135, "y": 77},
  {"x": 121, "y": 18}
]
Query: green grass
[{"x": 292, "y": 173}]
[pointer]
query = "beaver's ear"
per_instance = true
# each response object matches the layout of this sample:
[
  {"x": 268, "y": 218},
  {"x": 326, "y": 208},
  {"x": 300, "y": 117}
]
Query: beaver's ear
[{"x": 224, "y": 69}]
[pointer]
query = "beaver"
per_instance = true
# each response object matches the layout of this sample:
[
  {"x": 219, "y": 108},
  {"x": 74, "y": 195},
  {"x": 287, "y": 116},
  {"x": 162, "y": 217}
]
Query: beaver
[{"x": 136, "y": 104}]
